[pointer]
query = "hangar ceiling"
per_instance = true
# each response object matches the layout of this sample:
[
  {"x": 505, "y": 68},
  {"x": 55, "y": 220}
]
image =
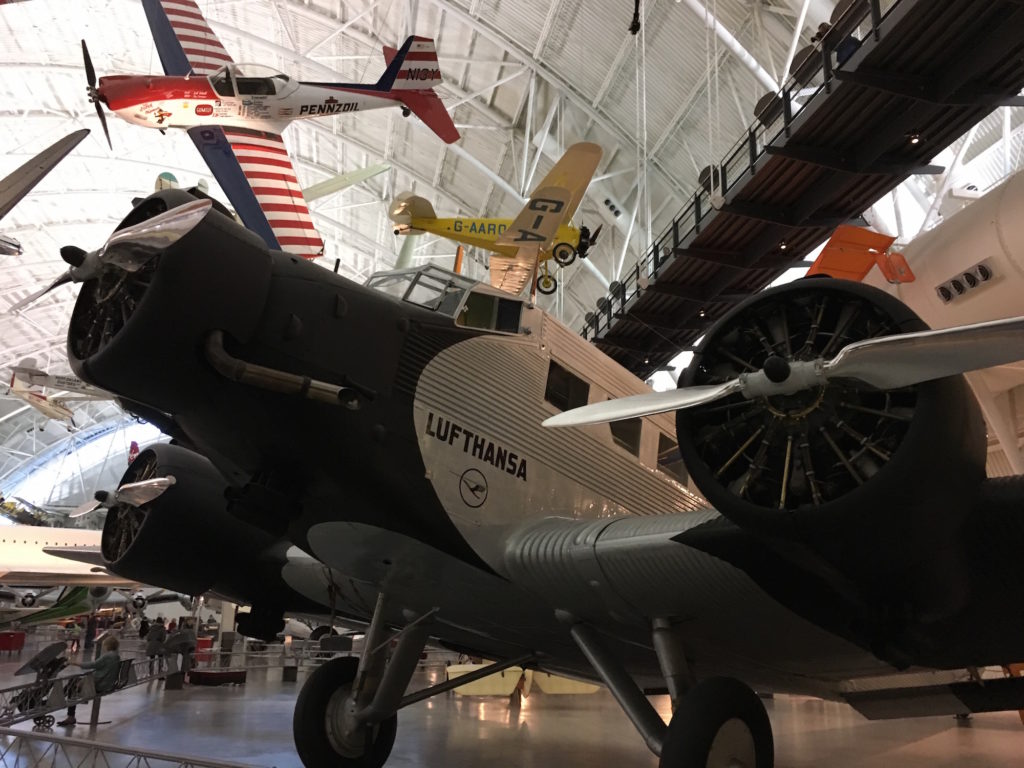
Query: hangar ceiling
[{"x": 522, "y": 78}]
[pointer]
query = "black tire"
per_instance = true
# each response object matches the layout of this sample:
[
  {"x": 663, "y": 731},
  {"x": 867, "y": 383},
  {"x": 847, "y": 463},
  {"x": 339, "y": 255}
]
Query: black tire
[
  {"x": 563, "y": 254},
  {"x": 704, "y": 729},
  {"x": 322, "y": 631},
  {"x": 309, "y": 722},
  {"x": 546, "y": 284}
]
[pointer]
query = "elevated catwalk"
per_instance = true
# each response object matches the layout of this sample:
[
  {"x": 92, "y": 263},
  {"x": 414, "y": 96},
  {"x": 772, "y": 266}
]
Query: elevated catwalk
[{"x": 890, "y": 86}]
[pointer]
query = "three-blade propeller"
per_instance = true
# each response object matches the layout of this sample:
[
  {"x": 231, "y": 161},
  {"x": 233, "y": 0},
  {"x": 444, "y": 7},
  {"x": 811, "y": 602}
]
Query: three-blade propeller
[
  {"x": 888, "y": 362},
  {"x": 135, "y": 494},
  {"x": 128, "y": 249},
  {"x": 94, "y": 95}
]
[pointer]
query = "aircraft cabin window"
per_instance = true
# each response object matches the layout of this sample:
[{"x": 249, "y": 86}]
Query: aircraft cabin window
[
  {"x": 255, "y": 86},
  {"x": 222, "y": 84},
  {"x": 482, "y": 310},
  {"x": 565, "y": 390},
  {"x": 626, "y": 434},
  {"x": 669, "y": 459}
]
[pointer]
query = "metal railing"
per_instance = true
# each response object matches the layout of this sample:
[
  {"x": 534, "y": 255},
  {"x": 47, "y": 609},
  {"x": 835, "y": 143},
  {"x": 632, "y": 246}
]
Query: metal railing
[
  {"x": 740, "y": 162},
  {"x": 27, "y": 749},
  {"x": 38, "y": 699}
]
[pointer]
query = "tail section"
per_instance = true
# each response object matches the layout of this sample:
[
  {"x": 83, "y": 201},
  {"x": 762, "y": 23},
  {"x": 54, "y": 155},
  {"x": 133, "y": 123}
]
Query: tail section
[
  {"x": 412, "y": 67},
  {"x": 412, "y": 73},
  {"x": 406, "y": 208}
]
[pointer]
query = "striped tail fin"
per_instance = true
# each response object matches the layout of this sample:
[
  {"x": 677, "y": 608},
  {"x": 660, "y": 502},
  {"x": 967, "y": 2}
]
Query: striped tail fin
[
  {"x": 414, "y": 66},
  {"x": 412, "y": 73}
]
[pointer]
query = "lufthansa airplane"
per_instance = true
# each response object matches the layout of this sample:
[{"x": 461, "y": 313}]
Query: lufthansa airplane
[{"x": 391, "y": 433}]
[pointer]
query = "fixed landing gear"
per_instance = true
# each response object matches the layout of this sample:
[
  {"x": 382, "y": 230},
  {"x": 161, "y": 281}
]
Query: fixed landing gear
[
  {"x": 320, "y": 713},
  {"x": 563, "y": 254},
  {"x": 546, "y": 282},
  {"x": 717, "y": 723},
  {"x": 346, "y": 714}
]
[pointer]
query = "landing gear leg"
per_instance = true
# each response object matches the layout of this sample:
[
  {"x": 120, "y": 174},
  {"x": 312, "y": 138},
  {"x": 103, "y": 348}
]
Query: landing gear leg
[
  {"x": 717, "y": 723},
  {"x": 345, "y": 716}
]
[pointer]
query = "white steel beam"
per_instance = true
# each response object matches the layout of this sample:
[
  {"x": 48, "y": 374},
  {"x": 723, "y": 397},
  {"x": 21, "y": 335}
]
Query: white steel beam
[{"x": 734, "y": 45}]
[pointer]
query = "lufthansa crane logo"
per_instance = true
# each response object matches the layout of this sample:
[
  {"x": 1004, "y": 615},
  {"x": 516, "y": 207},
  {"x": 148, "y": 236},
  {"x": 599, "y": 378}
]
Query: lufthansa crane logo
[{"x": 473, "y": 488}]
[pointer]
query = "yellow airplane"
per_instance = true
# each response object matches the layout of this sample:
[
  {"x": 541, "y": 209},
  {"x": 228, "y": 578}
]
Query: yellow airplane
[{"x": 540, "y": 232}]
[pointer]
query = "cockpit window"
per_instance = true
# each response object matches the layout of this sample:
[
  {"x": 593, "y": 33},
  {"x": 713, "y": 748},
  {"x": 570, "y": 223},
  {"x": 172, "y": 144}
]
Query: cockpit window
[
  {"x": 430, "y": 287},
  {"x": 221, "y": 81},
  {"x": 495, "y": 313},
  {"x": 255, "y": 86}
]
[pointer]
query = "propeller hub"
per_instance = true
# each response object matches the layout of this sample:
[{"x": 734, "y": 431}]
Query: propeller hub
[{"x": 776, "y": 369}]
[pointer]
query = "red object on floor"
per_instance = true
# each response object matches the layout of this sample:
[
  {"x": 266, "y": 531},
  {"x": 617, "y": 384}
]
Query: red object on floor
[
  {"x": 12, "y": 641},
  {"x": 203, "y": 644}
]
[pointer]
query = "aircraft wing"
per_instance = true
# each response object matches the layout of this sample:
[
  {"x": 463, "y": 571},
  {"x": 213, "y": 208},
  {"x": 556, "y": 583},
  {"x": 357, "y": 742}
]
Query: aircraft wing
[
  {"x": 252, "y": 167},
  {"x": 572, "y": 173},
  {"x": 19, "y": 183},
  {"x": 183, "y": 39},
  {"x": 530, "y": 233},
  {"x": 254, "y": 170},
  {"x": 551, "y": 204},
  {"x": 513, "y": 273}
]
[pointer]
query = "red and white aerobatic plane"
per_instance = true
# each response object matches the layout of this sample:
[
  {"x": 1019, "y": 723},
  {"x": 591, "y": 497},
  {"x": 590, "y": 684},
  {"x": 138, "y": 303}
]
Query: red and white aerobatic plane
[{"x": 235, "y": 113}]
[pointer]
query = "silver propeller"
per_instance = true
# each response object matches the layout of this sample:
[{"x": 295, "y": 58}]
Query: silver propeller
[
  {"x": 888, "y": 362},
  {"x": 128, "y": 249},
  {"x": 135, "y": 494}
]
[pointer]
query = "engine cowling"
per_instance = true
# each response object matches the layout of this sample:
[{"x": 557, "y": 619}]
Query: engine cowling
[
  {"x": 126, "y": 324},
  {"x": 866, "y": 486},
  {"x": 185, "y": 539}
]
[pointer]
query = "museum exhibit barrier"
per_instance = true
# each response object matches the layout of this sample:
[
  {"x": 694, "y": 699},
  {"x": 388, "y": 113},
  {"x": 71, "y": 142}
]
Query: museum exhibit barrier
[
  {"x": 38, "y": 700},
  {"x": 31, "y": 749}
]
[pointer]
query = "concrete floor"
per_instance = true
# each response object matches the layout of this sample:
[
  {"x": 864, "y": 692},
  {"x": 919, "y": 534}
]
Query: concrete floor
[{"x": 252, "y": 724}]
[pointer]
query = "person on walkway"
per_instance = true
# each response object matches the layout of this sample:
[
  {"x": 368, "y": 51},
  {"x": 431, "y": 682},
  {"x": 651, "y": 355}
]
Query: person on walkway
[
  {"x": 104, "y": 677},
  {"x": 74, "y": 634},
  {"x": 155, "y": 639}
]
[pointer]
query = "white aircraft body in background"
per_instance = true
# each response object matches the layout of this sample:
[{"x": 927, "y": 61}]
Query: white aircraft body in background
[{"x": 27, "y": 383}]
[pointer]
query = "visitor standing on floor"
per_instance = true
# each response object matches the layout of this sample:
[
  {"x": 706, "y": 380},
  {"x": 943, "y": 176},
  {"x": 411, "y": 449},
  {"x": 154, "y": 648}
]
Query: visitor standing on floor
[{"x": 155, "y": 639}]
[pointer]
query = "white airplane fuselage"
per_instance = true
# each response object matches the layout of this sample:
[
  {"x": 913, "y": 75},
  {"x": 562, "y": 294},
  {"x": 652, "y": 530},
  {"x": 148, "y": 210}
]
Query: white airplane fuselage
[
  {"x": 186, "y": 102},
  {"x": 24, "y": 563}
]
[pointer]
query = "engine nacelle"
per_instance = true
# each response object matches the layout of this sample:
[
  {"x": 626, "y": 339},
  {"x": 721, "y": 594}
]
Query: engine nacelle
[
  {"x": 140, "y": 601},
  {"x": 97, "y": 597},
  {"x": 28, "y": 599},
  {"x": 125, "y": 324},
  {"x": 865, "y": 487},
  {"x": 185, "y": 539}
]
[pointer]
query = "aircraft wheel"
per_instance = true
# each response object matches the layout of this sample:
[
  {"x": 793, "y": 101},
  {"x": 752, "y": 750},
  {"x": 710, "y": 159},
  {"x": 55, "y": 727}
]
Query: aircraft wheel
[
  {"x": 318, "y": 721},
  {"x": 546, "y": 284},
  {"x": 563, "y": 254},
  {"x": 321, "y": 631},
  {"x": 720, "y": 723}
]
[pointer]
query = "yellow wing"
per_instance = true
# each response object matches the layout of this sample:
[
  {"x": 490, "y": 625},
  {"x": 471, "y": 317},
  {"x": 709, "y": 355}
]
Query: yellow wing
[{"x": 551, "y": 205}]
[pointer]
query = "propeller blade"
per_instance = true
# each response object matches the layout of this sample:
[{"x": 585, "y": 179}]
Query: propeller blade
[
  {"x": 103, "y": 122},
  {"x": 143, "y": 491},
  {"x": 84, "y": 509},
  {"x": 595, "y": 233},
  {"x": 64, "y": 278},
  {"x": 132, "y": 248},
  {"x": 647, "y": 404},
  {"x": 90, "y": 73},
  {"x": 891, "y": 362}
]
